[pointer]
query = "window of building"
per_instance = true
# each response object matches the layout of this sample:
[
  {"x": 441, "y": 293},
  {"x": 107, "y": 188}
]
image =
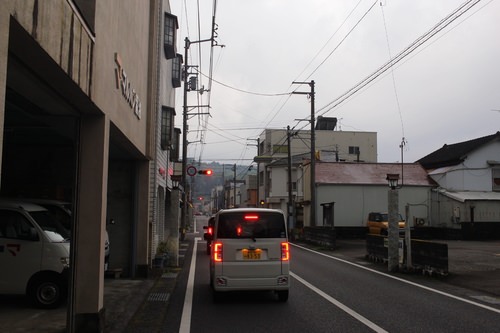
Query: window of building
[
  {"x": 174, "y": 156},
  {"x": 280, "y": 149},
  {"x": 167, "y": 127},
  {"x": 169, "y": 34},
  {"x": 176, "y": 71},
  {"x": 496, "y": 179},
  {"x": 87, "y": 12},
  {"x": 261, "y": 148},
  {"x": 353, "y": 150}
]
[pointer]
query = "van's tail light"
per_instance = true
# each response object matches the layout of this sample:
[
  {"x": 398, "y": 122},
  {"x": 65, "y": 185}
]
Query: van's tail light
[
  {"x": 217, "y": 250},
  {"x": 285, "y": 251},
  {"x": 210, "y": 231}
]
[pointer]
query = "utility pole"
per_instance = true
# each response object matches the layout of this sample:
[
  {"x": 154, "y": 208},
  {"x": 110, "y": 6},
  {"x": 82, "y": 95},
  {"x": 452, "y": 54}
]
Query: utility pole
[
  {"x": 313, "y": 151},
  {"x": 185, "y": 196},
  {"x": 234, "y": 187},
  {"x": 290, "y": 205},
  {"x": 393, "y": 219},
  {"x": 184, "y": 138},
  {"x": 258, "y": 141}
]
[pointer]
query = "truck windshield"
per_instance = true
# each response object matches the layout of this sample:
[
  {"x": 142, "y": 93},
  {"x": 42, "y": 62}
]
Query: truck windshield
[{"x": 51, "y": 226}]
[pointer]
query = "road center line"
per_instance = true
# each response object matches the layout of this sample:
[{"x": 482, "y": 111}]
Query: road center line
[
  {"x": 341, "y": 306},
  {"x": 185, "y": 326},
  {"x": 402, "y": 280}
]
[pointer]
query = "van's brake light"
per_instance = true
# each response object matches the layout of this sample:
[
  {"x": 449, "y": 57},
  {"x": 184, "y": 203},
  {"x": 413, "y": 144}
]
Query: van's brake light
[
  {"x": 285, "y": 251},
  {"x": 250, "y": 217},
  {"x": 217, "y": 252}
]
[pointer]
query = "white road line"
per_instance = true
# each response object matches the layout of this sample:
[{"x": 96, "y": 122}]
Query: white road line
[
  {"x": 403, "y": 280},
  {"x": 188, "y": 299},
  {"x": 341, "y": 306}
]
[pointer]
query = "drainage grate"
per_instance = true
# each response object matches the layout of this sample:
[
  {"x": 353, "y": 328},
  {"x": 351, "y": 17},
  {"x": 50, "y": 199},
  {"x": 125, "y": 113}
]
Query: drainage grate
[{"x": 158, "y": 297}]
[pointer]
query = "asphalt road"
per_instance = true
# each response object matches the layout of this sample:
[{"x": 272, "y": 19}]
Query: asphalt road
[{"x": 329, "y": 294}]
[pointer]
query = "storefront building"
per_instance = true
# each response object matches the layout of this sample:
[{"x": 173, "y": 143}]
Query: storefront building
[{"x": 78, "y": 111}]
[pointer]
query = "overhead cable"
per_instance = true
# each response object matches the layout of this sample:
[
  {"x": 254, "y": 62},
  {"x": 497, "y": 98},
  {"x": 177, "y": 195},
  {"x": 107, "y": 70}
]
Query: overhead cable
[{"x": 462, "y": 9}]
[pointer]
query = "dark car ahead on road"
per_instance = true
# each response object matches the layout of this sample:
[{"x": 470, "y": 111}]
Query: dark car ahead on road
[{"x": 208, "y": 235}]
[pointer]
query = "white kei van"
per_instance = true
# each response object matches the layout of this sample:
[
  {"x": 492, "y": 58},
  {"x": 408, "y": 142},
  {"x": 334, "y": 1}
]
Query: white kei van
[
  {"x": 34, "y": 254},
  {"x": 250, "y": 251},
  {"x": 61, "y": 210}
]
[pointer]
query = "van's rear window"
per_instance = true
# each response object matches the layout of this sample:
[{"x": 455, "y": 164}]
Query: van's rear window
[{"x": 251, "y": 225}]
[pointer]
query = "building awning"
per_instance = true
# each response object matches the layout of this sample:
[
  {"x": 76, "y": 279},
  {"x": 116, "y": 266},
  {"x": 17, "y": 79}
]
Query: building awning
[{"x": 472, "y": 195}]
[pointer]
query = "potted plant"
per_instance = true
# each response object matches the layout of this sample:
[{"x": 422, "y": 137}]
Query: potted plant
[{"x": 161, "y": 257}]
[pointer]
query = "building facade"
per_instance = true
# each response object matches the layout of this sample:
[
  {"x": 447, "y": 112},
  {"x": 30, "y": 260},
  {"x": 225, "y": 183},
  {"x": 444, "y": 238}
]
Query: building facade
[
  {"x": 79, "y": 109},
  {"x": 165, "y": 197},
  {"x": 353, "y": 190},
  {"x": 467, "y": 199},
  {"x": 330, "y": 146}
]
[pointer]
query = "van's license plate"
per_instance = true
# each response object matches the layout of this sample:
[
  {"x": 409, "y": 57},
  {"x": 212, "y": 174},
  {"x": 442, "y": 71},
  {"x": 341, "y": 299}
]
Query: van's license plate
[{"x": 251, "y": 254}]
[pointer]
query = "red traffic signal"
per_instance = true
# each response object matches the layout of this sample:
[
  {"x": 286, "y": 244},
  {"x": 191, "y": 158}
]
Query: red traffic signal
[{"x": 207, "y": 172}]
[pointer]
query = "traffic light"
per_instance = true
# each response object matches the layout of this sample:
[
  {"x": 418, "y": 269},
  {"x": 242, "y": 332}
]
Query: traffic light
[{"x": 207, "y": 172}]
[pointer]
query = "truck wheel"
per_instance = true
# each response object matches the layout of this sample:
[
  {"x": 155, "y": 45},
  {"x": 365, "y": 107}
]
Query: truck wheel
[
  {"x": 46, "y": 292},
  {"x": 282, "y": 295},
  {"x": 216, "y": 296}
]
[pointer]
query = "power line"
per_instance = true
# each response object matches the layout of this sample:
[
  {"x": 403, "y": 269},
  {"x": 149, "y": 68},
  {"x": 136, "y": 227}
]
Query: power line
[
  {"x": 392, "y": 73},
  {"x": 342, "y": 41},
  {"x": 462, "y": 9},
  {"x": 328, "y": 41},
  {"x": 245, "y": 91}
]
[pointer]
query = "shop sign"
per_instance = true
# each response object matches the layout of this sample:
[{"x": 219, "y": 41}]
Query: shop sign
[{"x": 128, "y": 92}]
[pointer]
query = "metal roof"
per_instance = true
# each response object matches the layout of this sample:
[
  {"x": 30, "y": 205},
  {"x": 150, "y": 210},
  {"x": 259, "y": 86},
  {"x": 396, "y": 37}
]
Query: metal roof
[
  {"x": 371, "y": 173},
  {"x": 471, "y": 195}
]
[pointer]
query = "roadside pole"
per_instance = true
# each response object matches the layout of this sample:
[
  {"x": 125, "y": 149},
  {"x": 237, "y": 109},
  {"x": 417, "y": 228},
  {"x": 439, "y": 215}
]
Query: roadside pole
[{"x": 393, "y": 230}]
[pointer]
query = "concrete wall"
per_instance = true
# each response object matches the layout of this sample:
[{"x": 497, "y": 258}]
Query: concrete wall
[
  {"x": 354, "y": 202},
  {"x": 325, "y": 140},
  {"x": 122, "y": 29}
]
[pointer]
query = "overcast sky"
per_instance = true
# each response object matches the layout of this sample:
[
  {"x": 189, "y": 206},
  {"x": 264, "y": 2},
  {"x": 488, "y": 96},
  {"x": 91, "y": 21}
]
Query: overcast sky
[{"x": 446, "y": 91}]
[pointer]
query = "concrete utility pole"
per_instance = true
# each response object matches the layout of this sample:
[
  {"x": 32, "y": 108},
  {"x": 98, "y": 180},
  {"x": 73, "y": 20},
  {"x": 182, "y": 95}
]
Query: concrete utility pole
[
  {"x": 290, "y": 205},
  {"x": 257, "y": 193},
  {"x": 185, "y": 196},
  {"x": 393, "y": 219},
  {"x": 234, "y": 186},
  {"x": 313, "y": 151},
  {"x": 184, "y": 136}
]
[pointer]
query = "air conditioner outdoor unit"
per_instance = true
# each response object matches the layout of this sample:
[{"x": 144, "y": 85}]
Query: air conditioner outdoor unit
[{"x": 420, "y": 221}]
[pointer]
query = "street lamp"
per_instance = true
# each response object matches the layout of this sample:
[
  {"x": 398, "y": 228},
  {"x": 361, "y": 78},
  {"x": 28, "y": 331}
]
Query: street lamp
[
  {"x": 393, "y": 219},
  {"x": 393, "y": 179}
]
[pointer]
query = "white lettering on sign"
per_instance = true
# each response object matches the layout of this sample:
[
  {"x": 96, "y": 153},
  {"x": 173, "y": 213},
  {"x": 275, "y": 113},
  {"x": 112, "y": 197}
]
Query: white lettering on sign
[{"x": 123, "y": 83}]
